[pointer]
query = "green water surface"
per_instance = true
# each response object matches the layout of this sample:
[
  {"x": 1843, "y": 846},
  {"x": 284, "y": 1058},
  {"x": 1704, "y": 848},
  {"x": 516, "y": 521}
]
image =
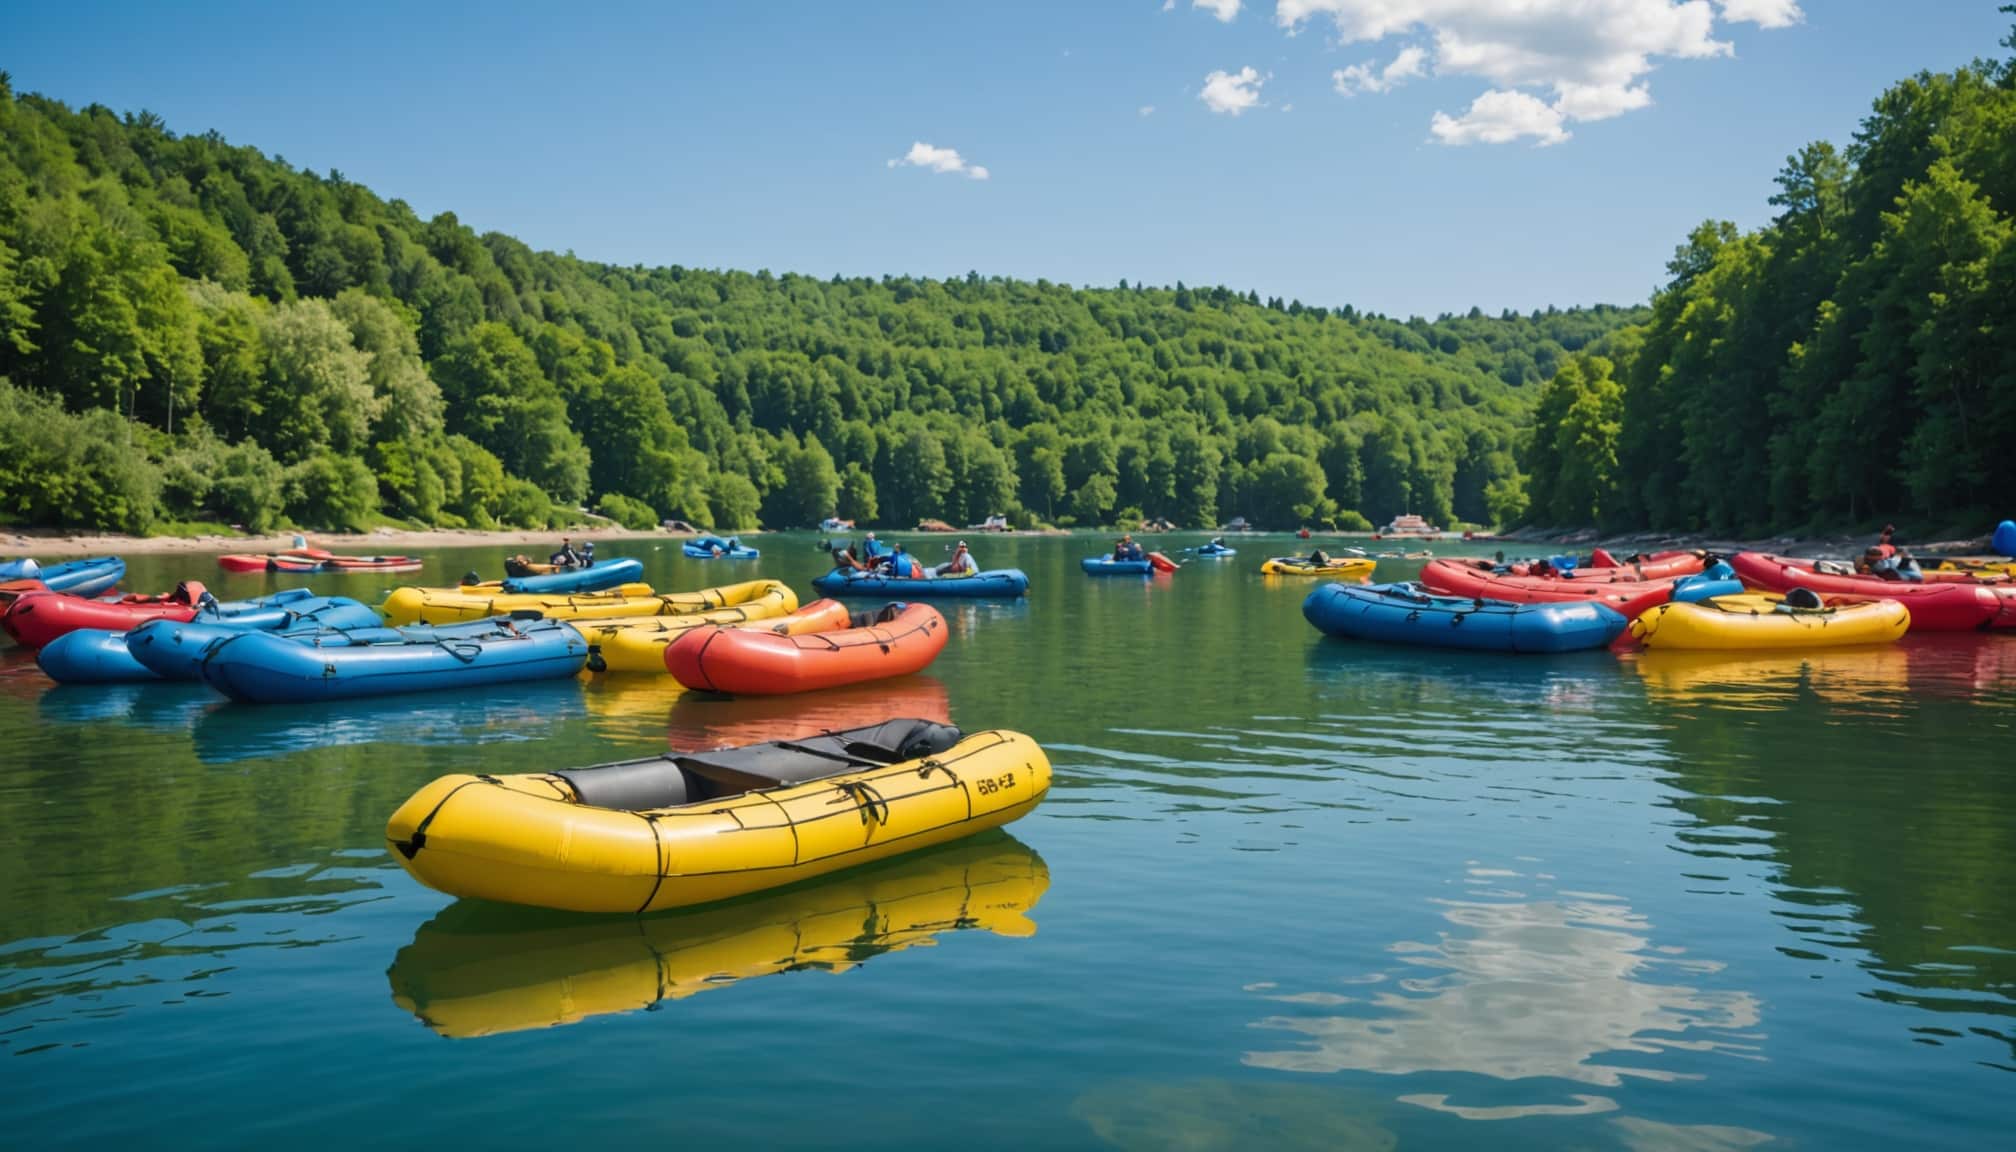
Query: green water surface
[{"x": 1287, "y": 892}]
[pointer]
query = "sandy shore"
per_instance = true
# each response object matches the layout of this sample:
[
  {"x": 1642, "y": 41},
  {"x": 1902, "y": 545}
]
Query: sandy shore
[{"x": 381, "y": 542}]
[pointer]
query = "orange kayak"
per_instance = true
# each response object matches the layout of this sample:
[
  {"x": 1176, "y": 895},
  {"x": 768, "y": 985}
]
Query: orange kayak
[{"x": 896, "y": 641}]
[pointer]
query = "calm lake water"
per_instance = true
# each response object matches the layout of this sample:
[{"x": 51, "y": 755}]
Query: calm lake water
[{"x": 1287, "y": 892}]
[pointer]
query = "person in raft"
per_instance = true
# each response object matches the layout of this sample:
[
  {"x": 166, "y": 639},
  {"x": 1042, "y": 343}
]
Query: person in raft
[
  {"x": 1319, "y": 558},
  {"x": 587, "y": 554},
  {"x": 566, "y": 556},
  {"x": 845, "y": 560},
  {"x": 1127, "y": 549},
  {"x": 961, "y": 563}
]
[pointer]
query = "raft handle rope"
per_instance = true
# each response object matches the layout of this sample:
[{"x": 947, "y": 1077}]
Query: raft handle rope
[
  {"x": 874, "y": 808},
  {"x": 411, "y": 846}
]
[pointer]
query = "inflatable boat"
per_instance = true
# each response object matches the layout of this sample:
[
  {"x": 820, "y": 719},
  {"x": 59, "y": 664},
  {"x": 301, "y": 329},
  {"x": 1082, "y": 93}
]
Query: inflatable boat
[
  {"x": 692, "y": 828},
  {"x": 1628, "y": 597},
  {"x": 36, "y": 619},
  {"x": 604, "y": 574},
  {"x": 1403, "y": 614},
  {"x": 1934, "y": 607},
  {"x": 896, "y": 641},
  {"x": 715, "y": 548},
  {"x": 638, "y": 643},
  {"x": 1731, "y": 623},
  {"x": 1108, "y": 566},
  {"x": 997, "y": 583},
  {"x": 176, "y": 649},
  {"x": 259, "y": 668},
  {"x": 456, "y": 605},
  {"x": 315, "y": 560},
  {"x": 91, "y": 577},
  {"x": 1350, "y": 570}
]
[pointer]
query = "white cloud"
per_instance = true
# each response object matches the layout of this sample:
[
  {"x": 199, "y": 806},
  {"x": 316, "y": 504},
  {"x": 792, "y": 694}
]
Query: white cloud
[
  {"x": 1369, "y": 77},
  {"x": 1763, "y": 13},
  {"x": 1232, "y": 92},
  {"x": 936, "y": 159},
  {"x": 1147, "y": 109},
  {"x": 1500, "y": 117},
  {"x": 1583, "y": 59},
  {"x": 1168, "y": 5},
  {"x": 1225, "y": 10}
]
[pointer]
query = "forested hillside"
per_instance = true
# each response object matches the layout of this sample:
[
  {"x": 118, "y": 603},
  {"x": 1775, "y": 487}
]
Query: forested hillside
[
  {"x": 1853, "y": 361},
  {"x": 195, "y": 331}
]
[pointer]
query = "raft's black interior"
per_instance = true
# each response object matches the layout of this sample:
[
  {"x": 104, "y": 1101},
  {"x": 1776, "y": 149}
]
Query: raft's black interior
[
  {"x": 683, "y": 778},
  {"x": 870, "y": 619}
]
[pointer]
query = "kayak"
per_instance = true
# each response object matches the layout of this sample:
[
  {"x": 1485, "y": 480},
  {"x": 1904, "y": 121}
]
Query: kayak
[
  {"x": 604, "y": 574},
  {"x": 638, "y": 643},
  {"x": 92, "y": 577},
  {"x": 1000, "y": 583},
  {"x": 1403, "y": 614},
  {"x": 1936, "y": 607},
  {"x": 691, "y": 828},
  {"x": 896, "y": 641},
  {"x": 258, "y": 668},
  {"x": 1107, "y": 566},
  {"x": 38, "y": 618},
  {"x": 479, "y": 602},
  {"x": 175, "y": 649},
  {"x": 482, "y": 969},
  {"x": 315, "y": 560},
  {"x": 1356, "y": 571},
  {"x": 1766, "y": 621}
]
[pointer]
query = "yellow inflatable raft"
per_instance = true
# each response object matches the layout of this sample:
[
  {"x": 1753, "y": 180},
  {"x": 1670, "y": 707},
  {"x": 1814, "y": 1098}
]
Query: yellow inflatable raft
[
  {"x": 454, "y": 605},
  {"x": 481, "y": 969},
  {"x": 638, "y": 643},
  {"x": 1752, "y": 621},
  {"x": 1350, "y": 571},
  {"x": 691, "y": 828}
]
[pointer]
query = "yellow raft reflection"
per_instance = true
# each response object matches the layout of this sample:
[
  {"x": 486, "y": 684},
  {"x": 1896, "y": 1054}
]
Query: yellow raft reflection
[
  {"x": 1768, "y": 679},
  {"x": 479, "y": 969},
  {"x": 453, "y": 605}
]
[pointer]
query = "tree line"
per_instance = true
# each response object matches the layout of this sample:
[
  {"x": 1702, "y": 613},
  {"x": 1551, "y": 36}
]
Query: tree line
[
  {"x": 193, "y": 331},
  {"x": 1851, "y": 362}
]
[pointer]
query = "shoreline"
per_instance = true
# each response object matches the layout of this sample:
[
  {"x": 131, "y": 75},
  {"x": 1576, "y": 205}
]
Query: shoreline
[{"x": 382, "y": 541}]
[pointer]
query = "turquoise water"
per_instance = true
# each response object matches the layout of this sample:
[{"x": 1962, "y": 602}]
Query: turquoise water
[{"x": 1286, "y": 893}]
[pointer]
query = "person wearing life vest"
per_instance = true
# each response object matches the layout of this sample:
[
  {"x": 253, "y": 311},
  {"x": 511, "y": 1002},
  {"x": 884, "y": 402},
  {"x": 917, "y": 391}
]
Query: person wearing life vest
[
  {"x": 961, "y": 563},
  {"x": 565, "y": 557}
]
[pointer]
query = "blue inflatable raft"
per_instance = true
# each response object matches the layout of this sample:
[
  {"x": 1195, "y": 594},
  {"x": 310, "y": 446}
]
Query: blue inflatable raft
[
  {"x": 603, "y": 574},
  {"x": 173, "y": 650},
  {"x": 1107, "y": 566},
  {"x": 1216, "y": 551},
  {"x": 259, "y": 668},
  {"x": 77, "y": 577},
  {"x": 1402, "y": 614},
  {"x": 715, "y": 548},
  {"x": 999, "y": 583},
  {"x": 1718, "y": 579}
]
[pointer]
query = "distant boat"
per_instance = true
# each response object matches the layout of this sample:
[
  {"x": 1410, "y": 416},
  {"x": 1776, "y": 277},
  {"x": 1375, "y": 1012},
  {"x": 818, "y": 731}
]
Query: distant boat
[
  {"x": 836, "y": 524},
  {"x": 995, "y": 523},
  {"x": 929, "y": 525},
  {"x": 1409, "y": 525},
  {"x": 1237, "y": 524}
]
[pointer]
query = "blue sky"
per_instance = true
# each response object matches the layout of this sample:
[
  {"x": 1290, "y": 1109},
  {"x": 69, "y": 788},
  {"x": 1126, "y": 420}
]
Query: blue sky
[{"x": 761, "y": 135}]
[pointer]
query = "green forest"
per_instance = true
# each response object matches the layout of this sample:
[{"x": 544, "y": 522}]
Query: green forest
[
  {"x": 194, "y": 333},
  {"x": 1852, "y": 361}
]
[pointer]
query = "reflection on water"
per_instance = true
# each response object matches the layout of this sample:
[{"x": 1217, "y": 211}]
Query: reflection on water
[
  {"x": 1641, "y": 1135},
  {"x": 1878, "y": 680},
  {"x": 478, "y": 969},
  {"x": 54, "y": 989},
  {"x": 1518, "y": 990},
  {"x": 156, "y": 707},
  {"x": 512, "y": 713},
  {"x": 701, "y": 720},
  {"x": 1218, "y": 1115}
]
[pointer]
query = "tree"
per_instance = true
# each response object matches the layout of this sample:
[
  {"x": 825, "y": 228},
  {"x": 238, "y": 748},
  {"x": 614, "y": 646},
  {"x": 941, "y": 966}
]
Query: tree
[{"x": 498, "y": 397}]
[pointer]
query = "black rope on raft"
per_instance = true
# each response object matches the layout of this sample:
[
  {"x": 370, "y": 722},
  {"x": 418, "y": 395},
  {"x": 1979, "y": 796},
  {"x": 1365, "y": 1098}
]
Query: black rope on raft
[{"x": 874, "y": 809}]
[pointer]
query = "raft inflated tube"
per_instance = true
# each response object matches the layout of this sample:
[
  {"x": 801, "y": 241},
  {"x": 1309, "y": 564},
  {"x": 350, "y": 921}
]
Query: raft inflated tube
[
  {"x": 90, "y": 577},
  {"x": 260, "y": 668},
  {"x": 1108, "y": 566},
  {"x": 995, "y": 583},
  {"x": 2004, "y": 540},
  {"x": 896, "y": 641},
  {"x": 1403, "y": 614},
  {"x": 1934, "y": 607},
  {"x": 459, "y": 605},
  {"x": 702, "y": 552},
  {"x": 91, "y": 656},
  {"x": 1731, "y": 623},
  {"x": 638, "y": 644},
  {"x": 604, "y": 574},
  {"x": 175, "y": 649},
  {"x": 38, "y": 618},
  {"x": 678, "y": 830},
  {"x": 480, "y": 969},
  {"x": 1348, "y": 570}
]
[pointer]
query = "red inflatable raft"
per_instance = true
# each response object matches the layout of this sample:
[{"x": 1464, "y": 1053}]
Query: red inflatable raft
[
  {"x": 1932, "y": 575},
  {"x": 39, "y": 617},
  {"x": 1948, "y": 607},
  {"x": 896, "y": 641},
  {"x": 1460, "y": 578},
  {"x": 315, "y": 560}
]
